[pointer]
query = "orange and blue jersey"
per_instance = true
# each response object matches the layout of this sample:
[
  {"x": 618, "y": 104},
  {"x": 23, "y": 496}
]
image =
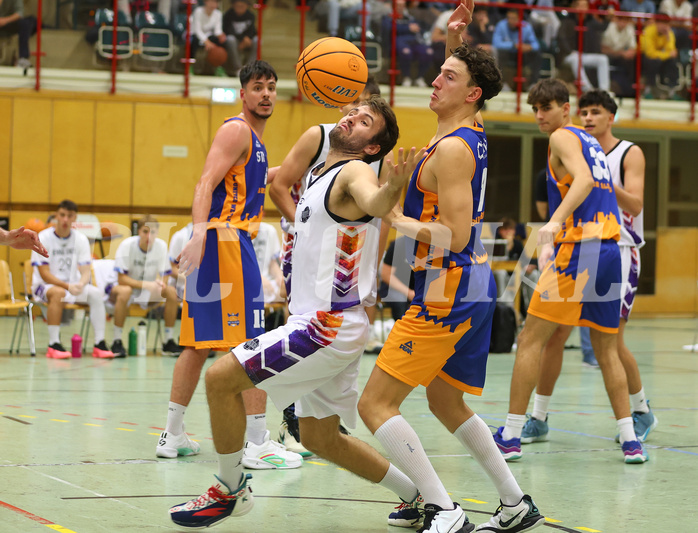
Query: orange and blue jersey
[
  {"x": 238, "y": 200},
  {"x": 423, "y": 205},
  {"x": 597, "y": 216}
]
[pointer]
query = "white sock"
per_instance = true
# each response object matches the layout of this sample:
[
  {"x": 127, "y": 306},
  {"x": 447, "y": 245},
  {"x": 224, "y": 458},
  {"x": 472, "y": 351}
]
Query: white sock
[
  {"x": 230, "y": 469},
  {"x": 540, "y": 407},
  {"x": 477, "y": 438},
  {"x": 400, "y": 484},
  {"x": 256, "y": 428},
  {"x": 638, "y": 402},
  {"x": 54, "y": 335},
  {"x": 97, "y": 311},
  {"x": 626, "y": 430},
  {"x": 118, "y": 333},
  {"x": 403, "y": 445},
  {"x": 513, "y": 426},
  {"x": 175, "y": 418},
  {"x": 169, "y": 335}
]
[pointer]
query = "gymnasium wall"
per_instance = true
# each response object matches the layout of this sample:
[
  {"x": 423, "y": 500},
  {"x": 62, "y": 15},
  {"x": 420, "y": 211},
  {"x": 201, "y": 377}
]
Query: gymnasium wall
[{"x": 122, "y": 156}]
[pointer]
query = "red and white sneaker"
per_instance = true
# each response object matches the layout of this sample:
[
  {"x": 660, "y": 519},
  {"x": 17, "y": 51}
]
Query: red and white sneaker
[
  {"x": 214, "y": 506},
  {"x": 101, "y": 351},
  {"x": 56, "y": 351}
]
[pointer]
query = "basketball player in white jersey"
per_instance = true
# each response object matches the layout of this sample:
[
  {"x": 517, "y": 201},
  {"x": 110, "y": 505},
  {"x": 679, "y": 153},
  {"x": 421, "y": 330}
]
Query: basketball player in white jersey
[
  {"x": 314, "y": 358},
  {"x": 626, "y": 163},
  {"x": 65, "y": 278}
]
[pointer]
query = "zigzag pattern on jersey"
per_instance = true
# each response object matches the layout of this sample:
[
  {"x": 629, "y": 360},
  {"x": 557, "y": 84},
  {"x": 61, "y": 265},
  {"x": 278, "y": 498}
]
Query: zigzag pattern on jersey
[
  {"x": 301, "y": 343},
  {"x": 628, "y": 221},
  {"x": 350, "y": 242}
]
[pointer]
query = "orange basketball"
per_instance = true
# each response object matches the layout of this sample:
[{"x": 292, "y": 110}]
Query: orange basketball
[
  {"x": 35, "y": 224},
  {"x": 217, "y": 56},
  {"x": 331, "y": 72}
]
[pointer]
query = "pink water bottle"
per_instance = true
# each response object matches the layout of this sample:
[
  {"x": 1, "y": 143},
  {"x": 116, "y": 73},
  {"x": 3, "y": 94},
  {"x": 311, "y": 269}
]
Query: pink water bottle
[{"x": 76, "y": 345}]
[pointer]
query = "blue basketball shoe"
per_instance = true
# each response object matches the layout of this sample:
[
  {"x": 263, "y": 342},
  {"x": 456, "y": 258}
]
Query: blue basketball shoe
[
  {"x": 214, "y": 506},
  {"x": 535, "y": 430},
  {"x": 643, "y": 423},
  {"x": 408, "y": 514},
  {"x": 510, "y": 449},
  {"x": 634, "y": 453}
]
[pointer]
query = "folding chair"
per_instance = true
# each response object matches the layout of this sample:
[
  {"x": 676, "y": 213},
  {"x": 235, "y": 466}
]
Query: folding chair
[{"x": 22, "y": 307}]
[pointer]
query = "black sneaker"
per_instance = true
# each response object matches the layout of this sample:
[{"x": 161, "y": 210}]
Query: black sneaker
[
  {"x": 171, "y": 348},
  {"x": 118, "y": 349}
]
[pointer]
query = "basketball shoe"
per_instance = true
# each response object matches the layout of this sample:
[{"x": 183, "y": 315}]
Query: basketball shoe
[
  {"x": 289, "y": 436},
  {"x": 534, "y": 431},
  {"x": 643, "y": 423},
  {"x": 101, "y": 351},
  {"x": 436, "y": 520},
  {"x": 634, "y": 453},
  {"x": 56, "y": 351},
  {"x": 407, "y": 514},
  {"x": 510, "y": 449},
  {"x": 171, "y": 348},
  {"x": 523, "y": 516},
  {"x": 214, "y": 506},
  {"x": 170, "y": 446},
  {"x": 117, "y": 348},
  {"x": 268, "y": 455}
]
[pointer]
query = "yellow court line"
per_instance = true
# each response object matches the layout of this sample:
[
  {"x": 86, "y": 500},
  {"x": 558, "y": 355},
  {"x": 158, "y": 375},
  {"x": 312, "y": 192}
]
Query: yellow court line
[
  {"x": 59, "y": 420},
  {"x": 93, "y": 425},
  {"x": 61, "y": 529},
  {"x": 588, "y": 529},
  {"x": 125, "y": 429},
  {"x": 26, "y": 416},
  {"x": 473, "y": 501},
  {"x": 316, "y": 463},
  {"x": 157, "y": 434},
  {"x": 552, "y": 520}
]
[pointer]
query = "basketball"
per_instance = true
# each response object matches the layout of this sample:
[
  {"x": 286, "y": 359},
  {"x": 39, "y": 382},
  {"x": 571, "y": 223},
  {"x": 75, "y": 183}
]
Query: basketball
[
  {"x": 217, "y": 56},
  {"x": 35, "y": 224},
  {"x": 331, "y": 72}
]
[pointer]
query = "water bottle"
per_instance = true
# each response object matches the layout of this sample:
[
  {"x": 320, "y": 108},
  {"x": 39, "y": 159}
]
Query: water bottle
[
  {"x": 132, "y": 342},
  {"x": 76, "y": 345},
  {"x": 141, "y": 338}
]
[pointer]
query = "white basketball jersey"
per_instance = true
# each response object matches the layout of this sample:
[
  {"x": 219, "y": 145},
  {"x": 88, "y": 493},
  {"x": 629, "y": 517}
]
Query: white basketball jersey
[
  {"x": 334, "y": 260},
  {"x": 64, "y": 256},
  {"x": 631, "y": 232},
  {"x": 140, "y": 265}
]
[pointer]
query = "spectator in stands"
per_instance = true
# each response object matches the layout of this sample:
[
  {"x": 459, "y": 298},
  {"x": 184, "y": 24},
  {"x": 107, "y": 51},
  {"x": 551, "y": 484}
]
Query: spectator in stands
[
  {"x": 241, "y": 31},
  {"x": 620, "y": 45},
  {"x": 411, "y": 45},
  {"x": 207, "y": 27},
  {"x": 546, "y": 22},
  {"x": 64, "y": 278},
  {"x": 591, "y": 55},
  {"x": 480, "y": 32},
  {"x": 659, "y": 58},
  {"x": 682, "y": 29},
  {"x": 165, "y": 8},
  {"x": 347, "y": 12},
  {"x": 505, "y": 42},
  {"x": 639, "y": 6},
  {"x": 143, "y": 267},
  {"x": 13, "y": 22},
  {"x": 397, "y": 281},
  {"x": 609, "y": 6}
]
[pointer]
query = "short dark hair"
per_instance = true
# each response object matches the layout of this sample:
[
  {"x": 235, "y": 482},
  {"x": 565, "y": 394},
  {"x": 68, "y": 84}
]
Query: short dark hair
[
  {"x": 547, "y": 91},
  {"x": 372, "y": 86},
  {"x": 388, "y": 136},
  {"x": 68, "y": 205},
  {"x": 148, "y": 220},
  {"x": 598, "y": 97},
  {"x": 483, "y": 70},
  {"x": 255, "y": 70}
]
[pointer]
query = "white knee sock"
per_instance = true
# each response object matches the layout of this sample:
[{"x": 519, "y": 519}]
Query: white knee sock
[
  {"x": 256, "y": 428},
  {"x": 540, "y": 407},
  {"x": 626, "y": 430},
  {"x": 513, "y": 426},
  {"x": 175, "y": 418},
  {"x": 406, "y": 451},
  {"x": 118, "y": 333},
  {"x": 97, "y": 312},
  {"x": 638, "y": 402},
  {"x": 477, "y": 438},
  {"x": 54, "y": 334},
  {"x": 230, "y": 469},
  {"x": 169, "y": 334},
  {"x": 400, "y": 484}
]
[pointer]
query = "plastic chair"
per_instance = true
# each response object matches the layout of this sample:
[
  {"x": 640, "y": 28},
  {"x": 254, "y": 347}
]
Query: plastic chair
[
  {"x": 104, "y": 19},
  {"x": 155, "y": 40},
  {"x": 22, "y": 307}
]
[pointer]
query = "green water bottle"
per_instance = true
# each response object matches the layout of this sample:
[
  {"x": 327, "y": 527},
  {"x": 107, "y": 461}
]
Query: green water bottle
[{"x": 132, "y": 342}]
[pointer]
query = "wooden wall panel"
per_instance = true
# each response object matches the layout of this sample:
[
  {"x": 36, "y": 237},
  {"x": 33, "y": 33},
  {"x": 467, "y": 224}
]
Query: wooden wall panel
[
  {"x": 113, "y": 153},
  {"x": 72, "y": 160},
  {"x": 5, "y": 147},
  {"x": 31, "y": 150},
  {"x": 168, "y": 181}
]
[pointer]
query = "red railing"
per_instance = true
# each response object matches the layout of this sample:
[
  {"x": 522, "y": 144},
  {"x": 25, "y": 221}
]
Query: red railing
[{"x": 393, "y": 72}]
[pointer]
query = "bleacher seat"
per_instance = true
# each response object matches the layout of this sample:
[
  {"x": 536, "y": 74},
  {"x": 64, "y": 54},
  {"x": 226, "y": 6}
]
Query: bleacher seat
[
  {"x": 155, "y": 39},
  {"x": 104, "y": 20}
]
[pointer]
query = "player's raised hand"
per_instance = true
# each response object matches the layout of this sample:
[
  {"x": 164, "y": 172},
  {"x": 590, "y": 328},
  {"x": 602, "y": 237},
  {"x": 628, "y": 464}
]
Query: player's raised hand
[
  {"x": 400, "y": 172},
  {"x": 461, "y": 17}
]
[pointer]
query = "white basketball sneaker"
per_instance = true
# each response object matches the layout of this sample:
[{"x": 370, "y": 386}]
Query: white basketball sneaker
[
  {"x": 438, "y": 520},
  {"x": 170, "y": 446},
  {"x": 268, "y": 455}
]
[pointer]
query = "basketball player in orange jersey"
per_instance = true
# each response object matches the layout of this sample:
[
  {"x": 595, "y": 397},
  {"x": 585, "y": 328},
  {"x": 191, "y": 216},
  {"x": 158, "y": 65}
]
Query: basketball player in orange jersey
[
  {"x": 442, "y": 341},
  {"x": 22, "y": 239},
  {"x": 314, "y": 357},
  {"x": 223, "y": 300},
  {"x": 581, "y": 281}
]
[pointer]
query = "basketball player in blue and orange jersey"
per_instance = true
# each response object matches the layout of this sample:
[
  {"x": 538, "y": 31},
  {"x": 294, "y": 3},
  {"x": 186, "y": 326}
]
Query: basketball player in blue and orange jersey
[
  {"x": 581, "y": 282},
  {"x": 442, "y": 341},
  {"x": 223, "y": 300}
]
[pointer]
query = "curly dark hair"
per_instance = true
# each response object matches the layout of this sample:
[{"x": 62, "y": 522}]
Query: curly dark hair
[
  {"x": 598, "y": 97},
  {"x": 549, "y": 90},
  {"x": 388, "y": 136},
  {"x": 483, "y": 70},
  {"x": 255, "y": 70}
]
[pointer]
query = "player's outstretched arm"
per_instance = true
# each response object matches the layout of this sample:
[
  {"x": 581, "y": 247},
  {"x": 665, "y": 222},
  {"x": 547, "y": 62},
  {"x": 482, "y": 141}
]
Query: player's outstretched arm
[
  {"x": 457, "y": 22},
  {"x": 23, "y": 239}
]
